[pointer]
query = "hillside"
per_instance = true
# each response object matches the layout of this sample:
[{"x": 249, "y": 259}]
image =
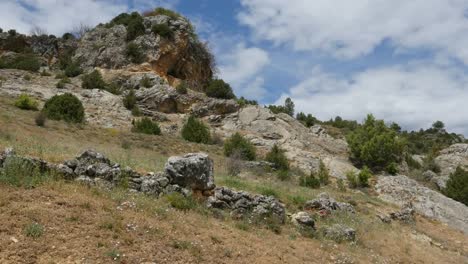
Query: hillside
[{"x": 99, "y": 190}]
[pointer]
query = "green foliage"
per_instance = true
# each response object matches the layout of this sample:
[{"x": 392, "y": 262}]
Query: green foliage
[
  {"x": 359, "y": 180},
  {"x": 146, "y": 82},
  {"x": 61, "y": 84},
  {"x": 65, "y": 107},
  {"x": 323, "y": 174},
  {"x": 430, "y": 140},
  {"x": 412, "y": 163},
  {"x": 181, "y": 202},
  {"x": 16, "y": 43},
  {"x": 134, "y": 54},
  {"x": 287, "y": 108},
  {"x": 267, "y": 191},
  {"x": 34, "y": 230},
  {"x": 133, "y": 22},
  {"x": 162, "y": 30},
  {"x": 457, "y": 186},
  {"x": 73, "y": 69},
  {"x": 283, "y": 175},
  {"x": 20, "y": 172},
  {"x": 392, "y": 168},
  {"x": 196, "y": 131},
  {"x": 68, "y": 36},
  {"x": 238, "y": 144},
  {"x": 340, "y": 184},
  {"x": 114, "y": 88},
  {"x": 93, "y": 80},
  {"x": 130, "y": 100},
  {"x": 309, "y": 181},
  {"x": 438, "y": 125},
  {"x": 162, "y": 11},
  {"x": 307, "y": 120},
  {"x": 25, "y": 102},
  {"x": 146, "y": 126},
  {"x": 278, "y": 158},
  {"x": 375, "y": 145},
  {"x": 244, "y": 102},
  {"x": 27, "y": 62},
  {"x": 45, "y": 73},
  {"x": 219, "y": 89},
  {"x": 182, "y": 88}
]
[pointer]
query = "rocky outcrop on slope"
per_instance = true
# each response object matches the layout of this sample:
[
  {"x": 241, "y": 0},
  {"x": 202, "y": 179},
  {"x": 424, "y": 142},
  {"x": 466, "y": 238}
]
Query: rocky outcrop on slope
[
  {"x": 180, "y": 56},
  {"x": 304, "y": 147},
  {"x": 448, "y": 161},
  {"x": 402, "y": 190},
  {"x": 197, "y": 165},
  {"x": 326, "y": 205}
]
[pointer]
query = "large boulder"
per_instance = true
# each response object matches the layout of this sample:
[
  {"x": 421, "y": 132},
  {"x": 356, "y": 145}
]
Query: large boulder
[
  {"x": 194, "y": 171},
  {"x": 244, "y": 204},
  {"x": 402, "y": 190}
]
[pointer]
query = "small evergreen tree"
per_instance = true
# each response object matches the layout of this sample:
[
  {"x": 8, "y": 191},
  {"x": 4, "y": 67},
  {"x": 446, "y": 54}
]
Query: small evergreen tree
[
  {"x": 93, "y": 80},
  {"x": 146, "y": 126},
  {"x": 457, "y": 186},
  {"x": 278, "y": 158},
  {"x": 196, "y": 131},
  {"x": 309, "y": 181},
  {"x": 130, "y": 100},
  {"x": 323, "y": 174},
  {"x": 219, "y": 89},
  {"x": 64, "y": 107},
  {"x": 237, "y": 143}
]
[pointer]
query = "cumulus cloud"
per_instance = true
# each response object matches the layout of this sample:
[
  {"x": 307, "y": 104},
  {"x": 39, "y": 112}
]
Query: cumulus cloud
[
  {"x": 414, "y": 95},
  {"x": 60, "y": 16},
  {"x": 240, "y": 68},
  {"x": 349, "y": 29}
]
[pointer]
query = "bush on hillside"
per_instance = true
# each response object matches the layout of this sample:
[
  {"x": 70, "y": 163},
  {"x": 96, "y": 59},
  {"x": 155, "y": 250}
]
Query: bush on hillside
[
  {"x": 146, "y": 82},
  {"x": 309, "y": 181},
  {"x": 287, "y": 108},
  {"x": 278, "y": 158},
  {"x": 244, "y": 102},
  {"x": 182, "y": 88},
  {"x": 219, "y": 89},
  {"x": 162, "y": 30},
  {"x": 196, "y": 131},
  {"x": 359, "y": 180},
  {"x": 40, "y": 119},
  {"x": 307, "y": 120},
  {"x": 238, "y": 144},
  {"x": 73, "y": 69},
  {"x": 25, "y": 102},
  {"x": 162, "y": 11},
  {"x": 133, "y": 22},
  {"x": 457, "y": 186},
  {"x": 134, "y": 53},
  {"x": 323, "y": 174},
  {"x": 146, "y": 126},
  {"x": 93, "y": 80},
  {"x": 130, "y": 100},
  {"x": 375, "y": 145},
  {"x": 65, "y": 107},
  {"x": 27, "y": 62}
]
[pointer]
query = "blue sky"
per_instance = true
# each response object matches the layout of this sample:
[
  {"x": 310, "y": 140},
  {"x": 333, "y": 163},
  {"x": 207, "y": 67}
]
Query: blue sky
[{"x": 404, "y": 61}]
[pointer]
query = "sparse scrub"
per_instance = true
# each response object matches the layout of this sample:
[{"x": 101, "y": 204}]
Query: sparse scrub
[
  {"x": 245, "y": 102},
  {"x": 323, "y": 174},
  {"x": 27, "y": 62},
  {"x": 360, "y": 179},
  {"x": 457, "y": 186},
  {"x": 133, "y": 22},
  {"x": 162, "y": 11},
  {"x": 278, "y": 158},
  {"x": 181, "y": 202},
  {"x": 146, "y": 82},
  {"x": 310, "y": 181},
  {"x": 162, "y": 30},
  {"x": 45, "y": 73},
  {"x": 65, "y": 107},
  {"x": 19, "y": 172},
  {"x": 61, "y": 84},
  {"x": 237, "y": 143},
  {"x": 134, "y": 54},
  {"x": 234, "y": 164},
  {"x": 34, "y": 230},
  {"x": 73, "y": 69},
  {"x": 219, "y": 89},
  {"x": 93, "y": 80},
  {"x": 196, "y": 131},
  {"x": 25, "y": 102},
  {"x": 40, "y": 119},
  {"x": 130, "y": 100},
  {"x": 146, "y": 126}
]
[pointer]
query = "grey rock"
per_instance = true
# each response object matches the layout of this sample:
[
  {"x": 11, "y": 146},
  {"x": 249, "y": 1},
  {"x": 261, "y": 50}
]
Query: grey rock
[
  {"x": 429, "y": 175},
  {"x": 448, "y": 160},
  {"x": 406, "y": 214},
  {"x": 193, "y": 171},
  {"x": 401, "y": 190},
  {"x": 327, "y": 205},
  {"x": 340, "y": 233},
  {"x": 303, "y": 219}
]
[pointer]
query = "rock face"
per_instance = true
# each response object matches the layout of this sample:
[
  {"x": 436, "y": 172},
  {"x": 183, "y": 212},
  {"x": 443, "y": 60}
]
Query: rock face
[
  {"x": 181, "y": 56},
  {"x": 448, "y": 161},
  {"x": 244, "y": 204},
  {"x": 326, "y": 205},
  {"x": 194, "y": 170},
  {"x": 303, "y": 220},
  {"x": 304, "y": 147},
  {"x": 401, "y": 190}
]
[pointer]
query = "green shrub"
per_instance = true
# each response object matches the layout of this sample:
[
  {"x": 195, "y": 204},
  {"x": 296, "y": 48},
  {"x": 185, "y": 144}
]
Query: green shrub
[
  {"x": 237, "y": 143},
  {"x": 133, "y": 22},
  {"x": 136, "y": 111},
  {"x": 27, "y": 62},
  {"x": 353, "y": 180},
  {"x": 219, "y": 89},
  {"x": 457, "y": 186},
  {"x": 73, "y": 69},
  {"x": 182, "y": 88},
  {"x": 45, "y": 73},
  {"x": 181, "y": 202},
  {"x": 113, "y": 88},
  {"x": 287, "y": 108},
  {"x": 34, "y": 230},
  {"x": 309, "y": 181},
  {"x": 412, "y": 163},
  {"x": 20, "y": 172},
  {"x": 267, "y": 191},
  {"x": 146, "y": 82},
  {"x": 134, "y": 53},
  {"x": 392, "y": 168},
  {"x": 93, "y": 80},
  {"x": 162, "y": 30},
  {"x": 146, "y": 126},
  {"x": 65, "y": 107},
  {"x": 359, "y": 180},
  {"x": 244, "y": 102},
  {"x": 61, "y": 84},
  {"x": 196, "y": 131},
  {"x": 68, "y": 36},
  {"x": 162, "y": 11},
  {"x": 25, "y": 102},
  {"x": 374, "y": 144},
  {"x": 307, "y": 120},
  {"x": 130, "y": 100},
  {"x": 278, "y": 158},
  {"x": 323, "y": 174},
  {"x": 340, "y": 184},
  {"x": 283, "y": 175}
]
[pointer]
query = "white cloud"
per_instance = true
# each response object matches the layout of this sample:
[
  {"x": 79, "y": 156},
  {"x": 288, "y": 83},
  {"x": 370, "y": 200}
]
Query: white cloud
[
  {"x": 414, "y": 95},
  {"x": 60, "y": 16},
  {"x": 349, "y": 29},
  {"x": 240, "y": 68}
]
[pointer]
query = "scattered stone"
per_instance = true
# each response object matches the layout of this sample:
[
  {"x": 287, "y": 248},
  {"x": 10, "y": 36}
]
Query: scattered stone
[
  {"x": 194, "y": 171},
  {"x": 326, "y": 205},
  {"x": 384, "y": 218},
  {"x": 406, "y": 214},
  {"x": 339, "y": 233},
  {"x": 303, "y": 220},
  {"x": 243, "y": 204}
]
